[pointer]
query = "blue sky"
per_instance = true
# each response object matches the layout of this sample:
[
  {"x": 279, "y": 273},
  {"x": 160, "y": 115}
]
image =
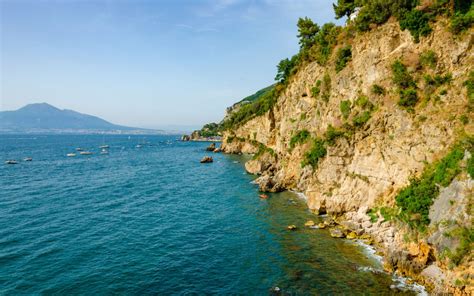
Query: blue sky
[{"x": 146, "y": 63}]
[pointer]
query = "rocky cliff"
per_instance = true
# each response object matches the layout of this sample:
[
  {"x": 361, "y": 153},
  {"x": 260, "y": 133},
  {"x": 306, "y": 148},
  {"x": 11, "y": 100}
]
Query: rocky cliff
[{"x": 347, "y": 140}]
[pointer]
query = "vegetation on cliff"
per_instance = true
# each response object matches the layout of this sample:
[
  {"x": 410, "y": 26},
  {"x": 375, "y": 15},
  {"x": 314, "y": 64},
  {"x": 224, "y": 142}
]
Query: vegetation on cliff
[
  {"x": 317, "y": 44},
  {"x": 416, "y": 199}
]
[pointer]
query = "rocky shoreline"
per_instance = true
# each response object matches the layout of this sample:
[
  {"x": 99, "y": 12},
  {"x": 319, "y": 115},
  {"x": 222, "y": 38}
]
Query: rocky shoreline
[{"x": 413, "y": 259}]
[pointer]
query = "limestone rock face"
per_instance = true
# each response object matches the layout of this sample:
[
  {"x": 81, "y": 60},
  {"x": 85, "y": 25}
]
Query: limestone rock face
[{"x": 369, "y": 167}]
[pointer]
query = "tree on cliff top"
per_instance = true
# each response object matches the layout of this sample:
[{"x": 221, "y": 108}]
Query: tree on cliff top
[
  {"x": 307, "y": 31},
  {"x": 344, "y": 8}
]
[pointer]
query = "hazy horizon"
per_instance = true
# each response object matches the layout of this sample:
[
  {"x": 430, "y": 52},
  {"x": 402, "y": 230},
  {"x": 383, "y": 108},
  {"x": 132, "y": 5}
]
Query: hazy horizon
[{"x": 146, "y": 64}]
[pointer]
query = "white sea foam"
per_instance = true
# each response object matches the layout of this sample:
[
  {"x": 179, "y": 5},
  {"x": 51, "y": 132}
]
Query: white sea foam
[
  {"x": 370, "y": 251},
  {"x": 399, "y": 282},
  {"x": 300, "y": 195}
]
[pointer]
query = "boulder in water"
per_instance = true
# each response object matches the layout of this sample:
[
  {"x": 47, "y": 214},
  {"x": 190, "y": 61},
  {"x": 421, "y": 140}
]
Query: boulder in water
[
  {"x": 336, "y": 232},
  {"x": 351, "y": 235},
  {"x": 211, "y": 147},
  {"x": 185, "y": 138},
  {"x": 207, "y": 159},
  {"x": 291, "y": 227},
  {"x": 309, "y": 223}
]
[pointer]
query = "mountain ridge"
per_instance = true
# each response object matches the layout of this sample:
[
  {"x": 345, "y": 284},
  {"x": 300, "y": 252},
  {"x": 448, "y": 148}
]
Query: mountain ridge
[{"x": 44, "y": 117}]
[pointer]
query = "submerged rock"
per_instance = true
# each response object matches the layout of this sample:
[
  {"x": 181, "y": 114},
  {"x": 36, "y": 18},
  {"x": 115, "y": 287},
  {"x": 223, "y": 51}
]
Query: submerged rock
[
  {"x": 207, "y": 159},
  {"x": 309, "y": 223}
]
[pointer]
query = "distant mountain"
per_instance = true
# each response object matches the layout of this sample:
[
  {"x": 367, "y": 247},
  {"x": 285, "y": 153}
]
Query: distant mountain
[{"x": 43, "y": 117}]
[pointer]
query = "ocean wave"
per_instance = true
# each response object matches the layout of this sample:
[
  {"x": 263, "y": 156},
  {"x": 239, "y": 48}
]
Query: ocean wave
[
  {"x": 399, "y": 282},
  {"x": 301, "y": 195}
]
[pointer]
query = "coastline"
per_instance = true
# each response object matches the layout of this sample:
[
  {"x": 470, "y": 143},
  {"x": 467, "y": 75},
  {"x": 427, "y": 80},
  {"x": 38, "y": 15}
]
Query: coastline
[{"x": 375, "y": 252}]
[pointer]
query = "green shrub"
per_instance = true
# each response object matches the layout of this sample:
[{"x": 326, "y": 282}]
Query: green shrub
[
  {"x": 317, "y": 151},
  {"x": 461, "y": 22},
  {"x": 316, "y": 90},
  {"x": 464, "y": 119},
  {"x": 361, "y": 119},
  {"x": 345, "y": 107},
  {"x": 469, "y": 84},
  {"x": 378, "y": 90},
  {"x": 401, "y": 77},
  {"x": 408, "y": 97},
  {"x": 428, "y": 59},
  {"x": 332, "y": 134},
  {"x": 437, "y": 80},
  {"x": 372, "y": 213},
  {"x": 417, "y": 22},
  {"x": 415, "y": 200},
  {"x": 466, "y": 240},
  {"x": 343, "y": 56},
  {"x": 262, "y": 149},
  {"x": 470, "y": 165},
  {"x": 364, "y": 103},
  {"x": 326, "y": 87},
  {"x": 299, "y": 138}
]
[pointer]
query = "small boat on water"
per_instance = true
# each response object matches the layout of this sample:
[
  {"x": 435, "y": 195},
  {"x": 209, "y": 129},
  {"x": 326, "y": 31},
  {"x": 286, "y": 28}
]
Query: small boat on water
[
  {"x": 79, "y": 149},
  {"x": 27, "y": 159},
  {"x": 104, "y": 147},
  {"x": 11, "y": 161},
  {"x": 86, "y": 153},
  {"x": 104, "y": 151},
  {"x": 71, "y": 154},
  {"x": 139, "y": 146},
  {"x": 263, "y": 196}
]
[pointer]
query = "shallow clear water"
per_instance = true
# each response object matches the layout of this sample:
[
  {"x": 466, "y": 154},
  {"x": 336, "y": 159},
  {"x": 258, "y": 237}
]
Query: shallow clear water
[{"x": 156, "y": 221}]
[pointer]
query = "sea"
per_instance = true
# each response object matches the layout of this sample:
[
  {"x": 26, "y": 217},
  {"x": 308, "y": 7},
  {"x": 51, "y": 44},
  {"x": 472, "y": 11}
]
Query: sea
[{"x": 149, "y": 219}]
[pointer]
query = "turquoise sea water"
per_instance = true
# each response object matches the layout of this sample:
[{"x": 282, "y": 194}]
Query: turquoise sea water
[{"x": 153, "y": 220}]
